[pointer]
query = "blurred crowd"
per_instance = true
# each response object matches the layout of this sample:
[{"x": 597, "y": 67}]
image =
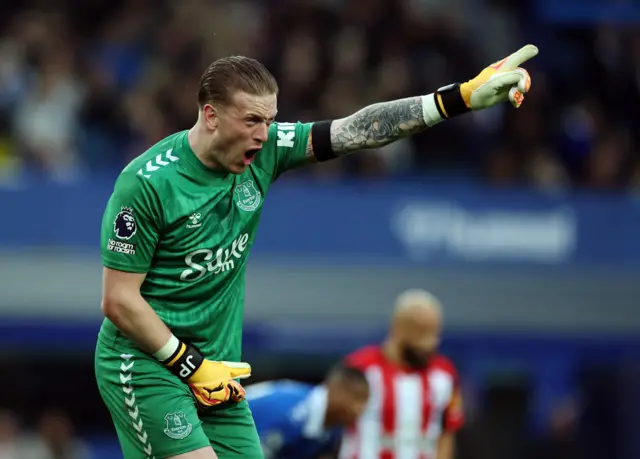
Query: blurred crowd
[
  {"x": 52, "y": 438},
  {"x": 87, "y": 85},
  {"x": 497, "y": 433}
]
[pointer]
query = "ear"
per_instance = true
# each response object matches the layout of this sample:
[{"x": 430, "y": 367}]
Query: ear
[{"x": 210, "y": 116}]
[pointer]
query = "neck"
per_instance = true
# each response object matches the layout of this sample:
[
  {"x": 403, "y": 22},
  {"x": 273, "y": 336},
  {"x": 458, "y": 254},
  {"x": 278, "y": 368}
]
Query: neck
[
  {"x": 391, "y": 351},
  {"x": 201, "y": 146}
]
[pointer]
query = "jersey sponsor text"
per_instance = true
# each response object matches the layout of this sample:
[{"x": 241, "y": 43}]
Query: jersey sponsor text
[{"x": 202, "y": 261}]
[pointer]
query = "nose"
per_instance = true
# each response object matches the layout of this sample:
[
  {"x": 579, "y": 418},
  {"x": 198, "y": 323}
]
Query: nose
[{"x": 262, "y": 133}]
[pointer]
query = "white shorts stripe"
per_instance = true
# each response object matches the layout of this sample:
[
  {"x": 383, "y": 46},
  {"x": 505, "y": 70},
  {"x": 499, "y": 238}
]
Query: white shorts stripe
[{"x": 131, "y": 406}]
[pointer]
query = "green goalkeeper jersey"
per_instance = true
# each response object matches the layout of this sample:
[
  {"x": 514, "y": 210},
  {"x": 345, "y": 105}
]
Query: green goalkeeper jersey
[{"x": 190, "y": 228}]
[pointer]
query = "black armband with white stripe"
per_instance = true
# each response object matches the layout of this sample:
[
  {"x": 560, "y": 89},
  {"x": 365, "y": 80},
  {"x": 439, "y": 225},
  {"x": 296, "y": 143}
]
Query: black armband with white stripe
[
  {"x": 449, "y": 101},
  {"x": 182, "y": 359}
]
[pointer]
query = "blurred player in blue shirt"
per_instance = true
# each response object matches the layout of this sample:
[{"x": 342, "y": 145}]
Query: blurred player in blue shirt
[{"x": 302, "y": 421}]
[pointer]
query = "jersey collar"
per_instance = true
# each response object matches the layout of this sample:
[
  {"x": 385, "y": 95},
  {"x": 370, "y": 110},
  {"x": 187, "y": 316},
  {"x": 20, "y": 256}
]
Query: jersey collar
[{"x": 317, "y": 406}]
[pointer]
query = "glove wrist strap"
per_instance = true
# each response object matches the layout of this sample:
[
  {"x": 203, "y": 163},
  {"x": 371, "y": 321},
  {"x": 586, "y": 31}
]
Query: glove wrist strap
[
  {"x": 449, "y": 101},
  {"x": 185, "y": 361}
]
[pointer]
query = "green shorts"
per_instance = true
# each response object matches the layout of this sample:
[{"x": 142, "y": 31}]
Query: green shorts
[{"x": 155, "y": 414}]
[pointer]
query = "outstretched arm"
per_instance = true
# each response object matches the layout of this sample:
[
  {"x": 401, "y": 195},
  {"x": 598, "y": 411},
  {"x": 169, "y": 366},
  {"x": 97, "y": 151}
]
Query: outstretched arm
[{"x": 380, "y": 124}]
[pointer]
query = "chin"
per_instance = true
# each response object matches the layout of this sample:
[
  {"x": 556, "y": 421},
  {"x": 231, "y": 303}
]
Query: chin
[{"x": 237, "y": 169}]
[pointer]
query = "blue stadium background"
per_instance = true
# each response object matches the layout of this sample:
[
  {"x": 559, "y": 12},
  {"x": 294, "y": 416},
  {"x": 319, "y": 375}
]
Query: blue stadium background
[{"x": 525, "y": 223}]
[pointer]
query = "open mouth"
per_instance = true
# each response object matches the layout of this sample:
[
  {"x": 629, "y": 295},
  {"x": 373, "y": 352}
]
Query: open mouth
[{"x": 249, "y": 155}]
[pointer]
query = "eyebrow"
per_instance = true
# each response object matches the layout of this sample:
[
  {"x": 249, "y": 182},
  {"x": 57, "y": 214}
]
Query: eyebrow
[{"x": 255, "y": 115}]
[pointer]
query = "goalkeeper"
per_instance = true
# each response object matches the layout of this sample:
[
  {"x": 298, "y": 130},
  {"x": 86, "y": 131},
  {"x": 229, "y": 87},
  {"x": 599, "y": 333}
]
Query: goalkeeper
[{"x": 175, "y": 238}]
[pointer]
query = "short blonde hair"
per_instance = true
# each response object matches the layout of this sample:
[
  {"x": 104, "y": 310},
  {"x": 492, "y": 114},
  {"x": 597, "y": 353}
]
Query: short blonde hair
[{"x": 416, "y": 297}]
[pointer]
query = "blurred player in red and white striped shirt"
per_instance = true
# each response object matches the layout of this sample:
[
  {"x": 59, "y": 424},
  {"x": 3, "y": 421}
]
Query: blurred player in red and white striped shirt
[{"x": 415, "y": 405}]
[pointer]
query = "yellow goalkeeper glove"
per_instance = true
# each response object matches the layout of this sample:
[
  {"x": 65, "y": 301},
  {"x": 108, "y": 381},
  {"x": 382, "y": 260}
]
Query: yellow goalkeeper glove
[
  {"x": 211, "y": 382},
  {"x": 501, "y": 81}
]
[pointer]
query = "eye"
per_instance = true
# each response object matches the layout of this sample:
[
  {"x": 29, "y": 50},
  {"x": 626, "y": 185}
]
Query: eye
[{"x": 253, "y": 120}]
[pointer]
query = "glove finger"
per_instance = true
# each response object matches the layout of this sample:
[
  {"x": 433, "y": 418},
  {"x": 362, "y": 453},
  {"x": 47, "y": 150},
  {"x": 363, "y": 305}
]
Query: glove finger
[
  {"x": 210, "y": 397},
  {"x": 524, "y": 85},
  {"x": 237, "y": 391},
  {"x": 201, "y": 399},
  {"x": 516, "y": 97},
  {"x": 238, "y": 369},
  {"x": 522, "y": 55},
  {"x": 506, "y": 79}
]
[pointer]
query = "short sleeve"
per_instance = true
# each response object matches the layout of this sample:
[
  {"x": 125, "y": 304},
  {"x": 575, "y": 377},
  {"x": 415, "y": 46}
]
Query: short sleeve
[
  {"x": 290, "y": 141},
  {"x": 363, "y": 358},
  {"x": 354, "y": 360},
  {"x": 453, "y": 416},
  {"x": 130, "y": 225}
]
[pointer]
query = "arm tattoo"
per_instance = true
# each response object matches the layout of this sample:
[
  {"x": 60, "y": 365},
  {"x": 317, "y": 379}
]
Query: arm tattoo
[{"x": 377, "y": 125}]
